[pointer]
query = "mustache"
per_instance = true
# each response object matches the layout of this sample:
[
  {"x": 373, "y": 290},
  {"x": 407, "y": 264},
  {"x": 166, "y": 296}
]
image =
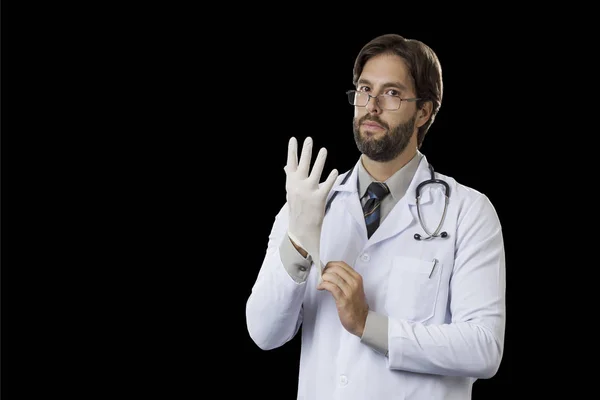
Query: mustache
[{"x": 373, "y": 119}]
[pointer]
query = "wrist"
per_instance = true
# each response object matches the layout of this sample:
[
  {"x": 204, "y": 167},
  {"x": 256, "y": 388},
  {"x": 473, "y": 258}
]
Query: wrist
[
  {"x": 362, "y": 323},
  {"x": 303, "y": 252}
]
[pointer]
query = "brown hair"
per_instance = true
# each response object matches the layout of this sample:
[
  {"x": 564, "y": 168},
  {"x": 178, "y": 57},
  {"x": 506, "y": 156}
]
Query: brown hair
[{"x": 423, "y": 65}]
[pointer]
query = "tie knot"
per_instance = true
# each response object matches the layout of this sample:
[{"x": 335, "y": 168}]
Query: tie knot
[{"x": 378, "y": 190}]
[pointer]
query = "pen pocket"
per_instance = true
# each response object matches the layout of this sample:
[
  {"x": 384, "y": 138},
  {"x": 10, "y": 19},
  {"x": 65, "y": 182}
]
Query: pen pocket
[{"x": 412, "y": 288}]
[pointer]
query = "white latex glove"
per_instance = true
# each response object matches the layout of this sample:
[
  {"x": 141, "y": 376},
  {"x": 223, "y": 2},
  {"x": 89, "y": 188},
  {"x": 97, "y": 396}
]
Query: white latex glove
[{"x": 306, "y": 198}]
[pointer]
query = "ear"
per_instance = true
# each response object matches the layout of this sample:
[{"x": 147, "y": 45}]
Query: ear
[{"x": 424, "y": 113}]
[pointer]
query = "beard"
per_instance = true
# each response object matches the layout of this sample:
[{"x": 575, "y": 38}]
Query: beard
[{"x": 388, "y": 146}]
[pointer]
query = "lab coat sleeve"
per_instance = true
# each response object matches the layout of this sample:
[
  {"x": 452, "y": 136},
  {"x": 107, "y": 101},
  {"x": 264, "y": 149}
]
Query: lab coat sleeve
[
  {"x": 296, "y": 266},
  {"x": 471, "y": 345},
  {"x": 274, "y": 307}
]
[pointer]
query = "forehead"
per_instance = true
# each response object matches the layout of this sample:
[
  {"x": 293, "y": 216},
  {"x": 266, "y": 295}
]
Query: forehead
[{"x": 384, "y": 69}]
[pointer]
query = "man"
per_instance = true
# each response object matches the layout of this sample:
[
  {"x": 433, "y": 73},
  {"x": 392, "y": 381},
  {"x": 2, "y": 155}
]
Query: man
[{"x": 387, "y": 312}]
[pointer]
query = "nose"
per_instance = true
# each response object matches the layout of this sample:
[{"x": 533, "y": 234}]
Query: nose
[{"x": 373, "y": 105}]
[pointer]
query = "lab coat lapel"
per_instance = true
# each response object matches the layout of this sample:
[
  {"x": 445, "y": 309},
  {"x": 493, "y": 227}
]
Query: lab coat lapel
[
  {"x": 351, "y": 203},
  {"x": 404, "y": 214},
  {"x": 353, "y": 206}
]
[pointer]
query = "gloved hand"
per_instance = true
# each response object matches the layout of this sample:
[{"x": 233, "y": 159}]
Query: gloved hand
[{"x": 306, "y": 198}]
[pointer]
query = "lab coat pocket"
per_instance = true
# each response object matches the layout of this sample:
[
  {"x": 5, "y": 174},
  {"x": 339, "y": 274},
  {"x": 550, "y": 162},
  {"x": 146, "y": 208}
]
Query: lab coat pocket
[{"x": 412, "y": 288}]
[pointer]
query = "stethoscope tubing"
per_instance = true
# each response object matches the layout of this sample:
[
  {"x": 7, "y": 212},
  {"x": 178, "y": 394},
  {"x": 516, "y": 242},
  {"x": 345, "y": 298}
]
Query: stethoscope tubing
[{"x": 432, "y": 180}]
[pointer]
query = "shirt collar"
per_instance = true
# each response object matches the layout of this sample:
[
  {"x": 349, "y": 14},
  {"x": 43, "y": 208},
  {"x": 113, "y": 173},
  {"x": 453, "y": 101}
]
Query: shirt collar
[{"x": 398, "y": 182}]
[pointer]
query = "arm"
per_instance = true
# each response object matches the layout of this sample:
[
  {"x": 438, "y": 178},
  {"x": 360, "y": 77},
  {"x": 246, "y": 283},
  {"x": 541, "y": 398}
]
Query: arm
[
  {"x": 472, "y": 344},
  {"x": 274, "y": 308}
]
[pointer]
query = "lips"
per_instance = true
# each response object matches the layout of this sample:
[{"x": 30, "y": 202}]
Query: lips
[{"x": 371, "y": 124}]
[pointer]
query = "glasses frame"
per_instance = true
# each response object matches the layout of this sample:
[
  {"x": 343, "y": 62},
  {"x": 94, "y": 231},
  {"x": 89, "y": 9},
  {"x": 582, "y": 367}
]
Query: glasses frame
[{"x": 409, "y": 99}]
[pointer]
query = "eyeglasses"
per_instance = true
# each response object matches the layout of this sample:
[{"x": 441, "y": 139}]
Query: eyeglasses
[{"x": 385, "y": 101}]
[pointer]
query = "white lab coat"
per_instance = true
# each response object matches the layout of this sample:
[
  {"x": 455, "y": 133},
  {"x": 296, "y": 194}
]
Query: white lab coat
[{"x": 446, "y": 318}]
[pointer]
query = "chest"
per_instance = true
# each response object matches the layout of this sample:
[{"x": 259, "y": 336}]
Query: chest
[{"x": 401, "y": 276}]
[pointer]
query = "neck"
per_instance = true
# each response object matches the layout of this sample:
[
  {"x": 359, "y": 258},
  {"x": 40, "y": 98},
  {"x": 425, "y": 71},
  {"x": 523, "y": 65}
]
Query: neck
[{"x": 381, "y": 171}]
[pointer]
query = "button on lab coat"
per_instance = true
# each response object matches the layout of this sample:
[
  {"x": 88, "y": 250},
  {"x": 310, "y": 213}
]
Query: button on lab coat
[{"x": 445, "y": 298}]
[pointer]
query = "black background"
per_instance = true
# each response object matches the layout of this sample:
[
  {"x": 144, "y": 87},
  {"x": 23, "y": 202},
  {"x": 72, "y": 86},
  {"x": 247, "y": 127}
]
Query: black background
[{"x": 149, "y": 170}]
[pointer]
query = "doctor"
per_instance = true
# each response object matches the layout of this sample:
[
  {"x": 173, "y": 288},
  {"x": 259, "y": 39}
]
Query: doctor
[{"x": 387, "y": 312}]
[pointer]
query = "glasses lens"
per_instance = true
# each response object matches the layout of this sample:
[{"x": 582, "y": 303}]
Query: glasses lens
[
  {"x": 359, "y": 99},
  {"x": 389, "y": 102}
]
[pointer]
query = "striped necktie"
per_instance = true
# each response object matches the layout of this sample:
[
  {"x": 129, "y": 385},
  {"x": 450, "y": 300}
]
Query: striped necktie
[{"x": 371, "y": 210}]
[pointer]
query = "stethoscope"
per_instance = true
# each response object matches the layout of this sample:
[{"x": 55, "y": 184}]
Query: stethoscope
[{"x": 433, "y": 180}]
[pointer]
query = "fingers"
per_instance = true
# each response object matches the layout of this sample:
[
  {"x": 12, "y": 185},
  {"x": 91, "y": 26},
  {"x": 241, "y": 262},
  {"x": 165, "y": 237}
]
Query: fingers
[
  {"x": 292, "y": 158},
  {"x": 328, "y": 184},
  {"x": 335, "y": 291},
  {"x": 303, "y": 166},
  {"x": 317, "y": 169},
  {"x": 345, "y": 271},
  {"x": 339, "y": 281},
  {"x": 306, "y": 156}
]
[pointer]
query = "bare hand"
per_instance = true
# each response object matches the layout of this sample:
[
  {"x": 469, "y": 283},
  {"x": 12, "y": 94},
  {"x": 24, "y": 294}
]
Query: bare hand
[{"x": 346, "y": 286}]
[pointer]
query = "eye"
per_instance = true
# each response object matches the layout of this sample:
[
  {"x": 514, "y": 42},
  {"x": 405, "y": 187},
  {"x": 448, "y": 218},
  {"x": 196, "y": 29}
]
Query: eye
[
  {"x": 393, "y": 92},
  {"x": 364, "y": 89}
]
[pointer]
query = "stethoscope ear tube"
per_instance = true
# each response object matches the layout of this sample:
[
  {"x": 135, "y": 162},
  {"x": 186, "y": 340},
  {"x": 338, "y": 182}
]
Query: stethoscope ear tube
[{"x": 443, "y": 235}]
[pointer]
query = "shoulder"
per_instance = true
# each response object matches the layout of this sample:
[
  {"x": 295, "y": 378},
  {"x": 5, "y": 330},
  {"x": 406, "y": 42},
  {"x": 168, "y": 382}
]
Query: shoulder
[{"x": 471, "y": 202}]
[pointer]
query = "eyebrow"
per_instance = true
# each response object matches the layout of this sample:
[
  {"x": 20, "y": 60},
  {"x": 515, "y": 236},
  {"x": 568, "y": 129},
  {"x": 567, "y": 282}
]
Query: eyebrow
[{"x": 385, "y": 85}]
